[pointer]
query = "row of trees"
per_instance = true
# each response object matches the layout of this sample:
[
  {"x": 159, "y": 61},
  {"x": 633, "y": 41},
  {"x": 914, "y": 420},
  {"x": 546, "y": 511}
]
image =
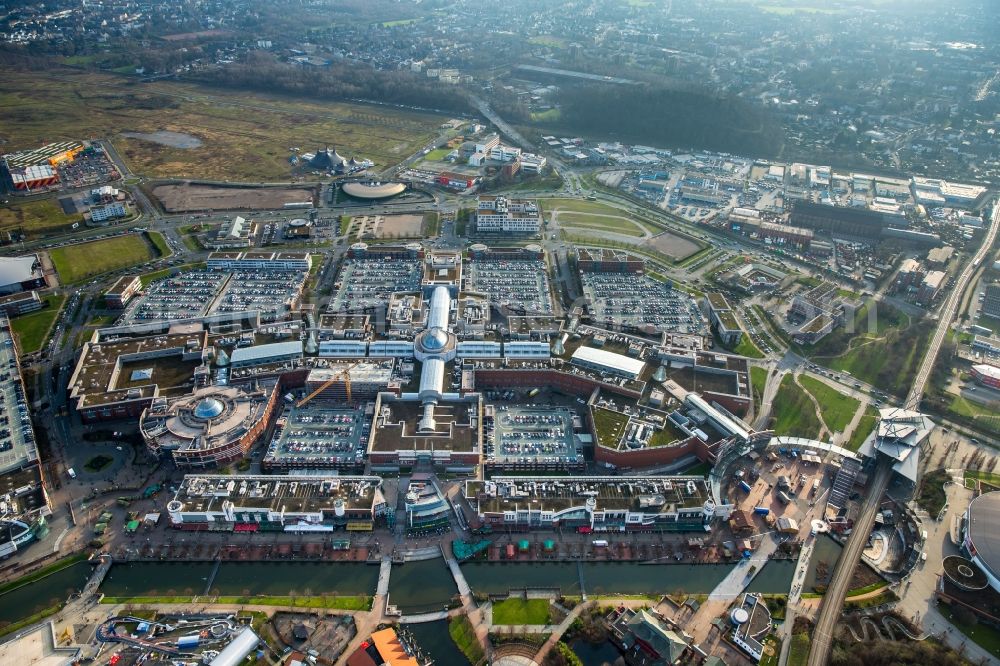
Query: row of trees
[{"x": 261, "y": 71}]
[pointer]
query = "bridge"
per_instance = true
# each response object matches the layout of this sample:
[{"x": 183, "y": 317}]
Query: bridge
[{"x": 836, "y": 592}]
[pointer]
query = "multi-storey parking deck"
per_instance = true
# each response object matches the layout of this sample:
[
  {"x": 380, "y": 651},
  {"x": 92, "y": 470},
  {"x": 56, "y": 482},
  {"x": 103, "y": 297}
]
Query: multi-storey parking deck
[
  {"x": 182, "y": 296},
  {"x": 636, "y": 300},
  {"x": 367, "y": 283},
  {"x": 532, "y": 437},
  {"x": 521, "y": 286},
  {"x": 273, "y": 293},
  {"x": 319, "y": 437}
]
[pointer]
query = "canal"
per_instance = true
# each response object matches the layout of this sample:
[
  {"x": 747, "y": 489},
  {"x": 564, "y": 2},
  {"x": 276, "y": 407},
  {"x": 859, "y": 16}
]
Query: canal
[
  {"x": 34, "y": 597},
  {"x": 419, "y": 587},
  {"x": 435, "y": 641},
  {"x": 147, "y": 579}
]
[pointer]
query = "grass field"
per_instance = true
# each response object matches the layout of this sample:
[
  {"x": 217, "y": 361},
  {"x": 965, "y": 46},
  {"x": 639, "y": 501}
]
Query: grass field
[
  {"x": 758, "y": 381},
  {"x": 865, "y": 426},
  {"x": 618, "y": 225},
  {"x": 747, "y": 348},
  {"x": 549, "y": 115},
  {"x": 991, "y": 478},
  {"x": 245, "y": 136},
  {"x": 36, "y": 218},
  {"x": 609, "y": 426},
  {"x": 890, "y": 361},
  {"x": 464, "y": 636},
  {"x": 437, "y": 155},
  {"x": 982, "y": 635},
  {"x": 794, "y": 413},
  {"x": 838, "y": 409},
  {"x": 76, "y": 263},
  {"x": 521, "y": 611},
  {"x": 359, "y": 603},
  {"x": 160, "y": 243},
  {"x": 798, "y": 651},
  {"x": 32, "y": 330},
  {"x": 985, "y": 417}
]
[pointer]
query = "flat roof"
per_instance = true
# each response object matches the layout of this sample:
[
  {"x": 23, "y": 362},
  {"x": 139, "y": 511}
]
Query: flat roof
[
  {"x": 984, "y": 530},
  {"x": 610, "y": 360},
  {"x": 664, "y": 494},
  {"x": 292, "y": 492},
  {"x": 18, "y": 269},
  {"x": 265, "y": 352}
]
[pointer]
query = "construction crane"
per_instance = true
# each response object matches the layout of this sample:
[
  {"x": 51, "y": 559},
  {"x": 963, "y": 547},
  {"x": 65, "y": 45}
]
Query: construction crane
[{"x": 343, "y": 374}]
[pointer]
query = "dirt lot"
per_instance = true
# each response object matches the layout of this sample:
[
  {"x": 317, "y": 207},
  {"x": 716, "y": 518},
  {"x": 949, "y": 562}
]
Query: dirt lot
[
  {"x": 675, "y": 247},
  {"x": 327, "y": 635},
  {"x": 184, "y": 198},
  {"x": 401, "y": 226}
]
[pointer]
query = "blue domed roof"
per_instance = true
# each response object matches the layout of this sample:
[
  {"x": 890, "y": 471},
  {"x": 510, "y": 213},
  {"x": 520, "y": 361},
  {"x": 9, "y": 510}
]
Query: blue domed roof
[
  {"x": 435, "y": 339},
  {"x": 208, "y": 408}
]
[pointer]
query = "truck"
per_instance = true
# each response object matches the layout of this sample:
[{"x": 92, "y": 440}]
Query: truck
[
  {"x": 600, "y": 543},
  {"x": 815, "y": 488},
  {"x": 761, "y": 510},
  {"x": 745, "y": 486},
  {"x": 784, "y": 497},
  {"x": 71, "y": 472}
]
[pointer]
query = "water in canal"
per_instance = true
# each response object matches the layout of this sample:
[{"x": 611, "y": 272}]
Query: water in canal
[
  {"x": 619, "y": 578},
  {"x": 595, "y": 654},
  {"x": 239, "y": 578},
  {"x": 418, "y": 587},
  {"x": 434, "y": 640},
  {"x": 421, "y": 587},
  {"x": 44, "y": 593},
  {"x": 825, "y": 554}
]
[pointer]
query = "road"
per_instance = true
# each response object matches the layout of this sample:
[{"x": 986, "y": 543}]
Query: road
[
  {"x": 949, "y": 309},
  {"x": 833, "y": 599}
]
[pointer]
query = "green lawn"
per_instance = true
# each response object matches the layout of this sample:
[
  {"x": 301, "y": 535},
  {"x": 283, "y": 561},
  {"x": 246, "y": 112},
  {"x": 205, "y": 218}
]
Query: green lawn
[
  {"x": 160, "y": 243},
  {"x": 772, "y": 651},
  {"x": 609, "y": 426},
  {"x": 37, "y": 218},
  {"x": 798, "y": 651},
  {"x": 890, "y": 362},
  {"x": 793, "y": 411},
  {"x": 865, "y": 426},
  {"x": 618, "y": 225},
  {"x": 747, "y": 348},
  {"x": 437, "y": 155},
  {"x": 358, "y": 603},
  {"x": 982, "y": 635},
  {"x": 76, "y": 263},
  {"x": 521, "y": 611},
  {"x": 32, "y": 330},
  {"x": 984, "y": 417},
  {"x": 549, "y": 115},
  {"x": 838, "y": 409},
  {"x": 464, "y": 636},
  {"x": 758, "y": 381},
  {"x": 991, "y": 478}
]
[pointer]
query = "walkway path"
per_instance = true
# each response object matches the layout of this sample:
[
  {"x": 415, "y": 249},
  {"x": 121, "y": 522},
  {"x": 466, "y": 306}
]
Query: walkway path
[
  {"x": 728, "y": 589},
  {"x": 823, "y": 428},
  {"x": 559, "y": 631}
]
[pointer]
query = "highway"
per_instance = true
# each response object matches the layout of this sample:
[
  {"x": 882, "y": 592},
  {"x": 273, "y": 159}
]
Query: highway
[
  {"x": 836, "y": 592},
  {"x": 950, "y": 308}
]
